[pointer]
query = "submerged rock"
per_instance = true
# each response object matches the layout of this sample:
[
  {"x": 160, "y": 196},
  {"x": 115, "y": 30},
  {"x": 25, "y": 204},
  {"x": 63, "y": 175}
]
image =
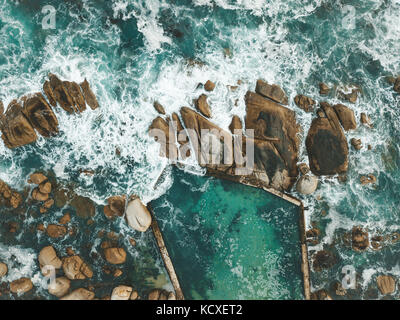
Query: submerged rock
[
  {"x": 75, "y": 268},
  {"x": 137, "y": 215},
  {"x": 368, "y": 179},
  {"x": 326, "y": 144},
  {"x": 21, "y": 285},
  {"x": 121, "y": 293},
  {"x": 307, "y": 184},
  {"x": 396, "y": 86},
  {"x": 273, "y": 92},
  {"x": 324, "y": 260},
  {"x": 79, "y": 294},
  {"x": 59, "y": 287},
  {"x": 386, "y": 284},
  {"x": 351, "y": 97},
  {"x": 84, "y": 207},
  {"x": 56, "y": 231}
]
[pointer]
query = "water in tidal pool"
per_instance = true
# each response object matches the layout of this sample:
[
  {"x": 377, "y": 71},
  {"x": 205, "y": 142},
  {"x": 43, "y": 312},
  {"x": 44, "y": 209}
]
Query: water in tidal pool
[
  {"x": 134, "y": 52},
  {"x": 230, "y": 241}
]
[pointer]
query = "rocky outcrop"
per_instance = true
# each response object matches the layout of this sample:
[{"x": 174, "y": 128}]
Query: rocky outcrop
[
  {"x": 307, "y": 184},
  {"x": 3, "y": 269},
  {"x": 346, "y": 117},
  {"x": 137, "y": 215},
  {"x": 115, "y": 255},
  {"x": 359, "y": 239},
  {"x": 386, "y": 284},
  {"x": 305, "y": 103},
  {"x": 203, "y": 106},
  {"x": 59, "y": 287},
  {"x": 79, "y": 294},
  {"x": 75, "y": 268},
  {"x": 121, "y": 293},
  {"x": 21, "y": 285},
  {"x": 32, "y": 114},
  {"x": 273, "y": 92},
  {"x": 326, "y": 144}
]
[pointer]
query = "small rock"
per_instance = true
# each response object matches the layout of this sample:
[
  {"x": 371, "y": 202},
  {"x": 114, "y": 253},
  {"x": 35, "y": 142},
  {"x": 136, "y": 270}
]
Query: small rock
[
  {"x": 117, "y": 205},
  {"x": 307, "y": 184},
  {"x": 118, "y": 273},
  {"x": 396, "y": 86},
  {"x": 304, "y": 102},
  {"x": 171, "y": 296},
  {"x": 3, "y": 269},
  {"x": 159, "y": 108},
  {"x": 38, "y": 196},
  {"x": 320, "y": 295},
  {"x": 365, "y": 120},
  {"x": 79, "y": 294},
  {"x": 132, "y": 242},
  {"x": 360, "y": 240},
  {"x": 339, "y": 290},
  {"x": 115, "y": 255},
  {"x": 134, "y": 295},
  {"x": 75, "y": 268},
  {"x": 59, "y": 287},
  {"x": 356, "y": 143},
  {"x": 90, "y": 97},
  {"x": 45, "y": 187},
  {"x": 154, "y": 294},
  {"x": 323, "y": 89},
  {"x": 37, "y": 178},
  {"x": 303, "y": 168},
  {"x": 351, "y": 97},
  {"x": 209, "y": 85},
  {"x": 65, "y": 218},
  {"x": 121, "y": 293},
  {"x": 236, "y": 124},
  {"x": 48, "y": 257},
  {"x": 367, "y": 179},
  {"x": 386, "y": 284},
  {"x": 21, "y": 285},
  {"x": 48, "y": 203},
  {"x": 56, "y": 231},
  {"x": 202, "y": 106},
  {"x": 70, "y": 251},
  {"x": 138, "y": 216}
]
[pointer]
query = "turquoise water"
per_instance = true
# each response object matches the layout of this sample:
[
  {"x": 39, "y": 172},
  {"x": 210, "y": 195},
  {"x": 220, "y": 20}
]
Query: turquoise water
[
  {"x": 230, "y": 241},
  {"x": 133, "y": 52}
]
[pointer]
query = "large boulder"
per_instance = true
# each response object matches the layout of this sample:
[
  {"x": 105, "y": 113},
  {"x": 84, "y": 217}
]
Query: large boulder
[
  {"x": 386, "y": 284},
  {"x": 326, "y": 144},
  {"x": 48, "y": 257},
  {"x": 307, "y": 184},
  {"x": 75, "y": 268},
  {"x": 79, "y": 294},
  {"x": 273, "y": 92},
  {"x": 137, "y": 215},
  {"x": 40, "y": 115},
  {"x": 346, "y": 116},
  {"x": 276, "y": 138},
  {"x": 16, "y": 129},
  {"x": 59, "y": 287},
  {"x": 90, "y": 97},
  {"x": 21, "y": 285},
  {"x": 115, "y": 255},
  {"x": 3, "y": 269},
  {"x": 121, "y": 293}
]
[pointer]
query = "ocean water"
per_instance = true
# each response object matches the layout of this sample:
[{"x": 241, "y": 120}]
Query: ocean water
[{"x": 135, "y": 52}]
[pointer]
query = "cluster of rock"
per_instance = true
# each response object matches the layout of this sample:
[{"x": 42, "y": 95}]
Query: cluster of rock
[
  {"x": 275, "y": 140},
  {"x": 8, "y": 196},
  {"x": 32, "y": 114},
  {"x": 42, "y": 191}
]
